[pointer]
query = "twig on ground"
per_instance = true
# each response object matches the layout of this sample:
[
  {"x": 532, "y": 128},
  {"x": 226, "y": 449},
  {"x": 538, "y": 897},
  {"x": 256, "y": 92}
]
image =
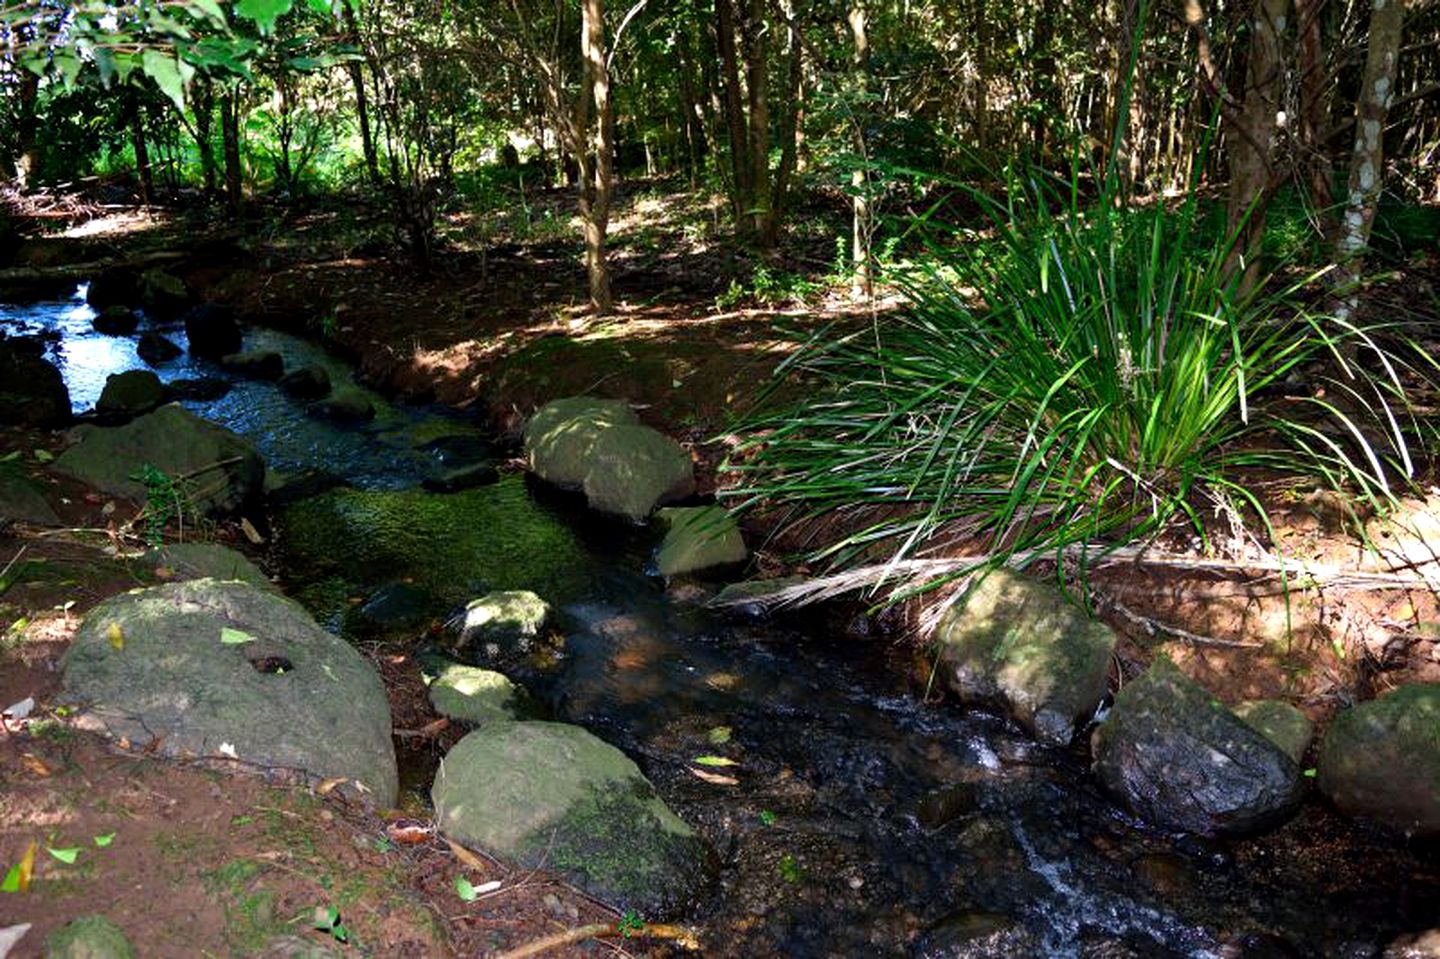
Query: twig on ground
[{"x": 682, "y": 935}]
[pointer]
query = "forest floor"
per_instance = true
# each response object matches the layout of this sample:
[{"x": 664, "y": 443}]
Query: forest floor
[{"x": 200, "y": 864}]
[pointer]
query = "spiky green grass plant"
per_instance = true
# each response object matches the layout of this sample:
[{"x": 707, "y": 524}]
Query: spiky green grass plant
[{"x": 1081, "y": 376}]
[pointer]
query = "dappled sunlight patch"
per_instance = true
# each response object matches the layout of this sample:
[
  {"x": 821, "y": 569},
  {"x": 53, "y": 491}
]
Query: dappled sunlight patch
[{"x": 126, "y": 223}]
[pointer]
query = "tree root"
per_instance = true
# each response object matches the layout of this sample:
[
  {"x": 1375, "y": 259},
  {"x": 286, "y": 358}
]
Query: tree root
[{"x": 682, "y": 935}]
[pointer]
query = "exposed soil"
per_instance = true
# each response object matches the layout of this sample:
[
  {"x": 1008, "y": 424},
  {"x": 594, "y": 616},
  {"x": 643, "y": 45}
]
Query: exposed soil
[{"x": 206, "y": 864}]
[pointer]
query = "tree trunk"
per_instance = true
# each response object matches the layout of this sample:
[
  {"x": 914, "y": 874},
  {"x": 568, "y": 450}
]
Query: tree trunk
[
  {"x": 142, "y": 152},
  {"x": 362, "y": 104},
  {"x": 860, "y": 229},
  {"x": 1367, "y": 163},
  {"x": 1251, "y": 143},
  {"x": 596, "y": 189},
  {"x": 742, "y": 186},
  {"x": 1314, "y": 115},
  {"x": 26, "y": 124},
  {"x": 202, "y": 101},
  {"x": 761, "y": 212},
  {"x": 230, "y": 137}
]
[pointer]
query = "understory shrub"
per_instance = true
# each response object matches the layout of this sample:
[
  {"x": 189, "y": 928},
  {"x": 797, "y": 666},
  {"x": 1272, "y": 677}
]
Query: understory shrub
[{"x": 1079, "y": 375}]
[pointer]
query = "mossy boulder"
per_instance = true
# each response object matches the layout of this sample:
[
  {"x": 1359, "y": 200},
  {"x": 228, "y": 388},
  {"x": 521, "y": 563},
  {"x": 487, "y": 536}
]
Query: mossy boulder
[
  {"x": 32, "y": 391},
  {"x": 213, "y": 331},
  {"x": 1017, "y": 643},
  {"x": 633, "y": 469},
  {"x": 553, "y": 795},
  {"x": 698, "y": 538},
  {"x": 216, "y": 669},
  {"x": 129, "y": 394},
  {"x": 1283, "y": 724},
  {"x": 163, "y": 295},
  {"x": 503, "y": 623},
  {"x": 216, "y": 471},
  {"x": 306, "y": 383},
  {"x": 88, "y": 937},
  {"x": 1381, "y": 760},
  {"x": 473, "y": 695},
  {"x": 23, "y": 500},
  {"x": 182, "y": 561},
  {"x": 561, "y": 434},
  {"x": 1177, "y": 757}
]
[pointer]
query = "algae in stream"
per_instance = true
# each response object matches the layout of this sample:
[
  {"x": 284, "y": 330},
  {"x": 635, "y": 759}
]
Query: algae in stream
[{"x": 453, "y": 547}]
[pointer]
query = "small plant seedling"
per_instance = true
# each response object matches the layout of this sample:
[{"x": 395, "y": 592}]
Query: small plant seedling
[
  {"x": 767, "y": 818},
  {"x": 790, "y": 869},
  {"x": 105, "y": 840},
  {"x": 629, "y": 924},
  {"x": 327, "y": 919}
]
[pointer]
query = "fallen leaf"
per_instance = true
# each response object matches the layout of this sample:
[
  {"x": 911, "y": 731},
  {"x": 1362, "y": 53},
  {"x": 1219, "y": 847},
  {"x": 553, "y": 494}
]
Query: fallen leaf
[
  {"x": 116, "y": 635},
  {"x": 35, "y": 766},
  {"x": 720, "y": 735},
  {"x": 164, "y": 573},
  {"x": 714, "y": 779},
  {"x": 715, "y": 761},
  {"x": 228, "y": 749},
  {"x": 18, "y": 878},
  {"x": 467, "y": 857},
  {"x": 408, "y": 833},
  {"x": 21, "y": 709},
  {"x": 234, "y": 637},
  {"x": 11, "y": 935},
  {"x": 251, "y": 533},
  {"x": 328, "y": 786},
  {"x": 464, "y": 889},
  {"x": 67, "y": 855},
  {"x": 105, "y": 840},
  {"x": 43, "y": 455}
]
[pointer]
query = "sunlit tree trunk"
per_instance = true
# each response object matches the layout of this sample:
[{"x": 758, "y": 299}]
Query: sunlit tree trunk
[
  {"x": 202, "y": 103},
  {"x": 230, "y": 139},
  {"x": 742, "y": 184},
  {"x": 25, "y": 158},
  {"x": 597, "y": 176},
  {"x": 362, "y": 104},
  {"x": 1367, "y": 162},
  {"x": 1312, "y": 122},
  {"x": 140, "y": 146},
  {"x": 860, "y": 227},
  {"x": 1252, "y": 136}
]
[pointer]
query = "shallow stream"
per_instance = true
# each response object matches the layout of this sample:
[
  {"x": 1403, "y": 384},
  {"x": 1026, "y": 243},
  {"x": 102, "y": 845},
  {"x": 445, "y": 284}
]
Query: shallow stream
[{"x": 856, "y": 820}]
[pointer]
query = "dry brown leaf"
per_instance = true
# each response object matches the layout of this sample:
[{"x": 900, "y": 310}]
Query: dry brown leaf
[
  {"x": 327, "y": 786},
  {"x": 714, "y": 779},
  {"x": 251, "y": 533},
  {"x": 466, "y": 857},
  {"x": 35, "y": 766},
  {"x": 409, "y": 833}
]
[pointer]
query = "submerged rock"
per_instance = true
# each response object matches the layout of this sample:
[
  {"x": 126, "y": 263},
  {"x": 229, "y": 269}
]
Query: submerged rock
[
  {"x": 1017, "y": 643},
  {"x": 129, "y": 394},
  {"x": 698, "y": 538},
  {"x": 217, "y": 471},
  {"x": 155, "y": 349},
  {"x": 753, "y": 599},
  {"x": 1178, "y": 758},
  {"x": 344, "y": 406},
  {"x": 213, "y": 331},
  {"x": 552, "y": 795},
  {"x": 462, "y": 477},
  {"x": 1381, "y": 760},
  {"x": 116, "y": 320},
  {"x": 32, "y": 391},
  {"x": 306, "y": 383},
  {"x": 255, "y": 364},
  {"x": 201, "y": 388},
  {"x": 88, "y": 937},
  {"x": 503, "y": 624},
  {"x": 222, "y": 669}
]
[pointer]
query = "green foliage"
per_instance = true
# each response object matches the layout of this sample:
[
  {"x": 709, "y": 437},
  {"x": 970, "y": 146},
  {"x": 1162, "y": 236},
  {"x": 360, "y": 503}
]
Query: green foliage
[
  {"x": 1084, "y": 376},
  {"x": 164, "y": 502}
]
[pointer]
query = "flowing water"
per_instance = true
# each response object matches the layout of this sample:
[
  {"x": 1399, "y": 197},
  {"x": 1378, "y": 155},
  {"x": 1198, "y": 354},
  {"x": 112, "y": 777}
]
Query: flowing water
[{"x": 855, "y": 820}]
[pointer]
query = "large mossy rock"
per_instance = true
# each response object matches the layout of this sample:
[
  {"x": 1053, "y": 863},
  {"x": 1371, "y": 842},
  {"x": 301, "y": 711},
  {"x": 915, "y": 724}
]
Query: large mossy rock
[
  {"x": 1178, "y": 758},
  {"x": 217, "y": 471},
  {"x": 553, "y": 795},
  {"x": 1016, "y": 643},
  {"x": 213, "y": 669},
  {"x": 633, "y": 469},
  {"x": 1283, "y": 724},
  {"x": 1381, "y": 760},
  {"x": 454, "y": 547},
  {"x": 473, "y": 695},
  {"x": 182, "y": 561},
  {"x": 698, "y": 538},
  {"x": 129, "y": 394},
  {"x": 88, "y": 937},
  {"x": 163, "y": 295},
  {"x": 22, "y": 500},
  {"x": 561, "y": 434},
  {"x": 32, "y": 391}
]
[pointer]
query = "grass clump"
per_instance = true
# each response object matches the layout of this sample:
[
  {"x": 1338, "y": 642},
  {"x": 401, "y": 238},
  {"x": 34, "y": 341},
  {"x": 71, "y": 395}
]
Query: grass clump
[{"x": 1081, "y": 374}]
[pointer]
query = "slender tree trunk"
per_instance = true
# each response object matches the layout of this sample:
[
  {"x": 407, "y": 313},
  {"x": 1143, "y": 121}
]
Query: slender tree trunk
[
  {"x": 1314, "y": 115},
  {"x": 742, "y": 170},
  {"x": 596, "y": 189},
  {"x": 860, "y": 228},
  {"x": 362, "y": 103},
  {"x": 26, "y": 126},
  {"x": 1367, "y": 163},
  {"x": 230, "y": 139},
  {"x": 142, "y": 152},
  {"x": 1252, "y": 137},
  {"x": 202, "y": 102},
  {"x": 791, "y": 105},
  {"x": 761, "y": 216}
]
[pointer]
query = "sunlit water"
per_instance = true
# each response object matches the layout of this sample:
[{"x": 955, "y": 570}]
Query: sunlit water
[{"x": 859, "y": 821}]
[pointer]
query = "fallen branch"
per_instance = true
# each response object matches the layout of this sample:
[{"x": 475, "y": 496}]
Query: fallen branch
[{"x": 681, "y": 935}]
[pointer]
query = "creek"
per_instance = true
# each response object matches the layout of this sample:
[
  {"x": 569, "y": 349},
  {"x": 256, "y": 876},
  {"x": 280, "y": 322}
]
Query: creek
[{"x": 856, "y": 820}]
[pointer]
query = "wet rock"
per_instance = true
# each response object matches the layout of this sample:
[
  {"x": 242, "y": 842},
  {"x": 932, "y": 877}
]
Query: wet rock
[
  {"x": 473, "y": 695},
  {"x": 1381, "y": 760},
  {"x": 200, "y": 389},
  {"x": 461, "y": 449},
  {"x": 344, "y": 406},
  {"x": 210, "y": 668},
  {"x": 561, "y": 434},
  {"x": 130, "y": 394},
  {"x": 1178, "y": 758},
  {"x": 1281, "y": 723},
  {"x": 698, "y": 538},
  {"x": 1419, "y": 945},
  {"x": 463, "y": 477},
  {"x": 503, "y": 624},
  {"x": 22, "y": 500},
  {"x": 306, "y": 383},
  {"x": 116, "y": 321},
  {"x": 255, "y": 364},
  {"x": 213, "y": 331},
  {"x": 394, "y": 606},
  {"x": 113, "y": 288},
  {"x": 633, "y": 469},
  {"x": 282, "y": 489},
  {"x": 977, "y": 935},
  {"x": 753, "y": 598},
  {"x": 88, "y": 937},
  {"x": 155, "y": 349},
  {"x": 32, "y": 391},
  {"x": 1017, "y": 643},
  {"x": 163, "y": 295},
  {"x": 554, "y": 795},
  {"x": 945, "y": 804},
  {"x": 217, "y": 471},
  {"x": 184, "y": 561}
]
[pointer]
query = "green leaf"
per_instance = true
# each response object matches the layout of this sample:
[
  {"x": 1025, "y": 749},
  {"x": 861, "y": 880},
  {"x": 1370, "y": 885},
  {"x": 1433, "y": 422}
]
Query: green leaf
[
  {"x": 323, "y": 7},
  {"x": 720, "y": 735},
  {"x": 234, "y": 637},
  {"x": 1310, "y": 773},
  {"x": 165, "y": 71},
  {"x": 105, "y": 840},
  {"x": 767, "y": 818},
  {"x": 715, "y": 761},
  {"x": 12, "y": 880},
  {"x": 68, "y": 66},
  {"x": 263, "y": 12},
  {"x": 10, "y": 457},
  {"x": 67, "y": 855},
  {"x": 43, "y": 456},
  {"x": 208, "y": 9},
  {"x": 465, "y": 889}
]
